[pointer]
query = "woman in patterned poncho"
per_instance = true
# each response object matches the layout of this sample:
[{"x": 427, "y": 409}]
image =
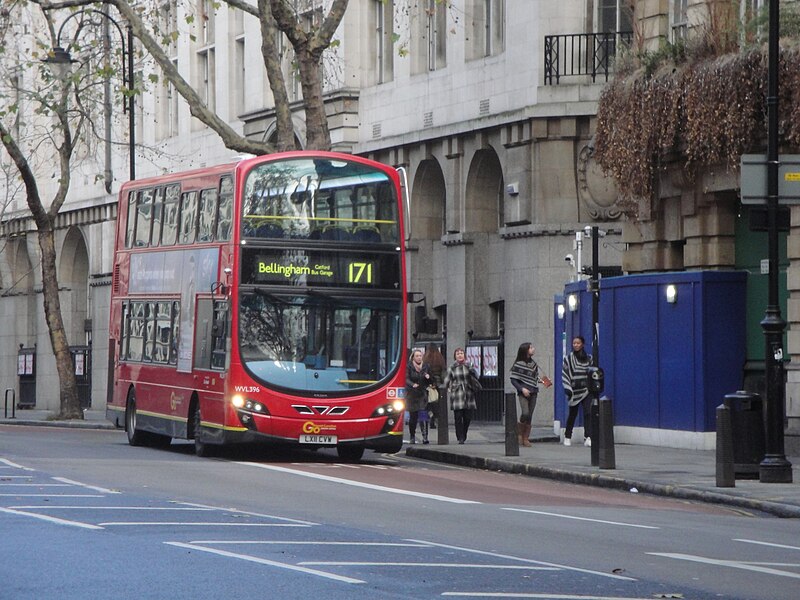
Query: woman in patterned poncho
[
  {"x": 462, "y": 384},
  {"x": 575, "y": 377}
]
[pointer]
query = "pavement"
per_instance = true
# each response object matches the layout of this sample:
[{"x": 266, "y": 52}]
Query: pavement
[{"x": 670, "y": 472}]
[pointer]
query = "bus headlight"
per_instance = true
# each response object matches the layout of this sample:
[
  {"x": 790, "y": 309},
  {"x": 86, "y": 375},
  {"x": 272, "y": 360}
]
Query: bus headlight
[
  {"x": 238, "y": 401},
  {"x": 391, "y": 409}
]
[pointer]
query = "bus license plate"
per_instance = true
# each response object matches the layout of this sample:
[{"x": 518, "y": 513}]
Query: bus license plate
[{"x": 317, "y": 439}]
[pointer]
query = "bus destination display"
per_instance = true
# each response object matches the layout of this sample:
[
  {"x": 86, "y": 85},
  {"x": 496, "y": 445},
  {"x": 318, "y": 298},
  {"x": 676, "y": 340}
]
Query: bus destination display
[{"x": 321, "y": 268}]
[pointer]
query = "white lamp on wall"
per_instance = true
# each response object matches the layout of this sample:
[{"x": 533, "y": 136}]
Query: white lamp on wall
[
  {"x": 672, "y": 294},
  {"x": 572, "y": 302}
]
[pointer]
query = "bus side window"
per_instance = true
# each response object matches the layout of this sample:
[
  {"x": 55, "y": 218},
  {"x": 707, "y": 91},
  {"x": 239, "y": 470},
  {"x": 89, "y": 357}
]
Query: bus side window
[
  {"x": 208, "y": 209},
  {"x": 158, "y": 216},
  {"x": 144, "y": 218},
  {"x": 136, "y": 331},
  {"x": 188, "y": 215},
  {"x": 170, "y": 232},
  {"x": 225, "y": 209},
  {"x": 175, "y": 335},
  {"x": 210, "y": 334},
  {"x": 131, "y": 224}
]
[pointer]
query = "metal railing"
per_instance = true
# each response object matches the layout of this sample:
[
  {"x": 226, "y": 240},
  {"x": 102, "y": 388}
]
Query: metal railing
[{"x": 582, "y": 54}]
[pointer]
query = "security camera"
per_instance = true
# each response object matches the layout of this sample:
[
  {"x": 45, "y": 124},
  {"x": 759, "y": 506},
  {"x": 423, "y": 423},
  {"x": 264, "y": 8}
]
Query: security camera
[
  {"x": 569, "y": 258},
  {"x": 587, "y": 231}
]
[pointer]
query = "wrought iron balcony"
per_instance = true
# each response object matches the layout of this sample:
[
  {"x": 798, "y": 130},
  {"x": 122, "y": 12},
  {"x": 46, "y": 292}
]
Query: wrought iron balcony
[{"x": 582, "y": 54}]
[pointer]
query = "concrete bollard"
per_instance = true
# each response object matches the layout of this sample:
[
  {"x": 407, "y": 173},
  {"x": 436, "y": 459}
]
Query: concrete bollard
[
  {"x": 607, "y": 454},
  {"x": 512, "y": 439},
  {"x": 726, "y": 476}
]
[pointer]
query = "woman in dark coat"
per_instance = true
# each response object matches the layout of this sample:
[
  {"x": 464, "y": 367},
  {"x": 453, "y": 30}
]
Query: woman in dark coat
[
  {"x": 418, "y": 378},
  {"x": 462, "y": 384}
]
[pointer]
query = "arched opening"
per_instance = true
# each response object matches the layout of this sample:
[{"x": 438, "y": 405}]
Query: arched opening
[
  {"x": 484, "y": 192},
  {"x": 428, "y": 197},
  {"x": 73, "y": 274}
]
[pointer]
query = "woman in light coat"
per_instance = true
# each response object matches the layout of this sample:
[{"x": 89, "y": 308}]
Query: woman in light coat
[{"x": 462, "y": 385}]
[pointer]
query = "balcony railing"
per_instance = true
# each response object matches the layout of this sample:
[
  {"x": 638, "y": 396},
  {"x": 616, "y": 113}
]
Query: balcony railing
[{"x": 582, "y": 54}]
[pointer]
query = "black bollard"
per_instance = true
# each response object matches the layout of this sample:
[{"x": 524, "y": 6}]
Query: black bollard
[
  {"x": 512, "y": 437},
  {"x": 594, "y": 417},
  {"x": 726, "y": 476},
  {"x": 442, "y": 426},
  {"x": 605, "y": 437}
]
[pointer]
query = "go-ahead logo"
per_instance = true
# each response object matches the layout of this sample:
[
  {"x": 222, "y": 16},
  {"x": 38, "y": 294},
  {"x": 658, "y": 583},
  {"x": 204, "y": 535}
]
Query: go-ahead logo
[{"x": 310, "y": 427}]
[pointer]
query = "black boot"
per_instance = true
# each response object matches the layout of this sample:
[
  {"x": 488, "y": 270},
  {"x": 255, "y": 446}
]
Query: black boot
[
  {"x": 424, "y": 430},
  {"x": 412, "y": 434}
]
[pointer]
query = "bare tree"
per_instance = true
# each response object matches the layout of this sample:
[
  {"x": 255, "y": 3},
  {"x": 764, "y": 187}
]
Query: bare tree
[
  {"x": 58, "y": 141},
  {"x": 309, "y": 39}
]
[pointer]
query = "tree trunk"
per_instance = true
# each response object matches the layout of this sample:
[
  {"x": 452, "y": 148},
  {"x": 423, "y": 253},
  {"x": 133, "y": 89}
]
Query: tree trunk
[
  {"x": 70, "y": 405},
  {"x": 318, "y": 136}
]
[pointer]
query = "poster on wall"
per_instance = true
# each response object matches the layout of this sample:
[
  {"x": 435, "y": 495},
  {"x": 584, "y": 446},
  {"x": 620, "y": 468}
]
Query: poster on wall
[
  {"x": 474, "y": 357},
  {"x": 490, "y": 361}
]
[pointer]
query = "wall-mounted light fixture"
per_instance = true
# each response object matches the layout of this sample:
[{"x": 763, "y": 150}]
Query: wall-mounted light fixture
[
  {"x": 672, "y": 294},
  {"x": 560, "y": 310},
  {"x": 572, "y": 302}
]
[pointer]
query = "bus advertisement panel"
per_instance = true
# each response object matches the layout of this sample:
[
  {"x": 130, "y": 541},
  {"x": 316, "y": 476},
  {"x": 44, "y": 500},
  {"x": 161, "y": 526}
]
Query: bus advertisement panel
[{"x": 262, "y": 301}]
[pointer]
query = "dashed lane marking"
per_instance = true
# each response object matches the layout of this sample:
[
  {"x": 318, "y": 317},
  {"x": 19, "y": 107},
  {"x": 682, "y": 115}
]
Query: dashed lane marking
[
  {"x": 773, "y": 545},
  {"x": 525, "y": 560},
  {"x": 549, "y": 514},
  {"x": 263, "y": 561},
  {"x": 322, "y": 563},
  {"x": 359, "y": 484},
  {"x": 734, "y": 564}
]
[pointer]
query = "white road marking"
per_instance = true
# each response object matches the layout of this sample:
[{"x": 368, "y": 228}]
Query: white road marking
[
  {"x": 49, "y": 519},
  {"x": 125, "y": 508},
  {"x": 51, "y": 496},
  {"x": 525, "y": 560},
  {"x": 88, "y": 487},
  {"x": 245, "y": 512},
  {"x": 767, "y": 544},
  {"x": 2, "y": 485},
  {"x": 322, "y": 563},
  {"x": 734, "y": 564},
  {"x": 14, "y": 465},
  {"x": 312, "y": 543},
  {"x": 199, "y": 524},
  {"x": 549, "y": 514},
  {"x": 263, "y": 561},
  {"x": 541, "y": 596},
  {"x": 368, "y": 486}
]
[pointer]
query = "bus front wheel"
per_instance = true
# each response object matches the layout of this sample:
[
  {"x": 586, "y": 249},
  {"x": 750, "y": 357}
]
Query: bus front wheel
[{"x": 350, "y": 453}]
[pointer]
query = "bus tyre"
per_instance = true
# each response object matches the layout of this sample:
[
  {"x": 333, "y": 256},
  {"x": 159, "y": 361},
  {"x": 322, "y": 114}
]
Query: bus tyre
[
  {"x": 135, "y": 437},
  {"x": 350, "y": 453},
  {"x": 201, "y": 449}
]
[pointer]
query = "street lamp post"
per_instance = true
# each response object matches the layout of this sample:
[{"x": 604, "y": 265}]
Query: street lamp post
[
  {"x": 61, "y": 62},
  {"x": 774, "y": 468}
]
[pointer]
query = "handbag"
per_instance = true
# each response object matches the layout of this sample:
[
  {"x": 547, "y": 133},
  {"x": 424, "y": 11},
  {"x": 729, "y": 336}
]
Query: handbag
[{"x": 433, "y": 395}]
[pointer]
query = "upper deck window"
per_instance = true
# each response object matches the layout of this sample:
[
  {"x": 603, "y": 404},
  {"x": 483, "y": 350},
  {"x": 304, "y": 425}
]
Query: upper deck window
[{"x": 320, "y": 199}]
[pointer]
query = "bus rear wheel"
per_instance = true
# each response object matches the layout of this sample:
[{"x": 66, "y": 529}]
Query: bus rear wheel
[
  {"x": 350, "y": 453},
  {"x": 137, "y": 437}
]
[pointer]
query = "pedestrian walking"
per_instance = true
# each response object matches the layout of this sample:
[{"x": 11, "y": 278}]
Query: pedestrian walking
[
  {"x": 575, "y": 377},
  {"x": 437, "y": 366},
  {"x": 525, "y": 378},
  {"x": 462, "y": 386},
  {"x": 418, "y": 378}
]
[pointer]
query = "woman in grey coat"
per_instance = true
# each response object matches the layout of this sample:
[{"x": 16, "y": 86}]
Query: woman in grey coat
[{"x": 462, "y": 385}]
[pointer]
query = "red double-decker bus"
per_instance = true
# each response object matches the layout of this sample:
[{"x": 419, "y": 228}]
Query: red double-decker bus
[{"x": 261, "y": 301}]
